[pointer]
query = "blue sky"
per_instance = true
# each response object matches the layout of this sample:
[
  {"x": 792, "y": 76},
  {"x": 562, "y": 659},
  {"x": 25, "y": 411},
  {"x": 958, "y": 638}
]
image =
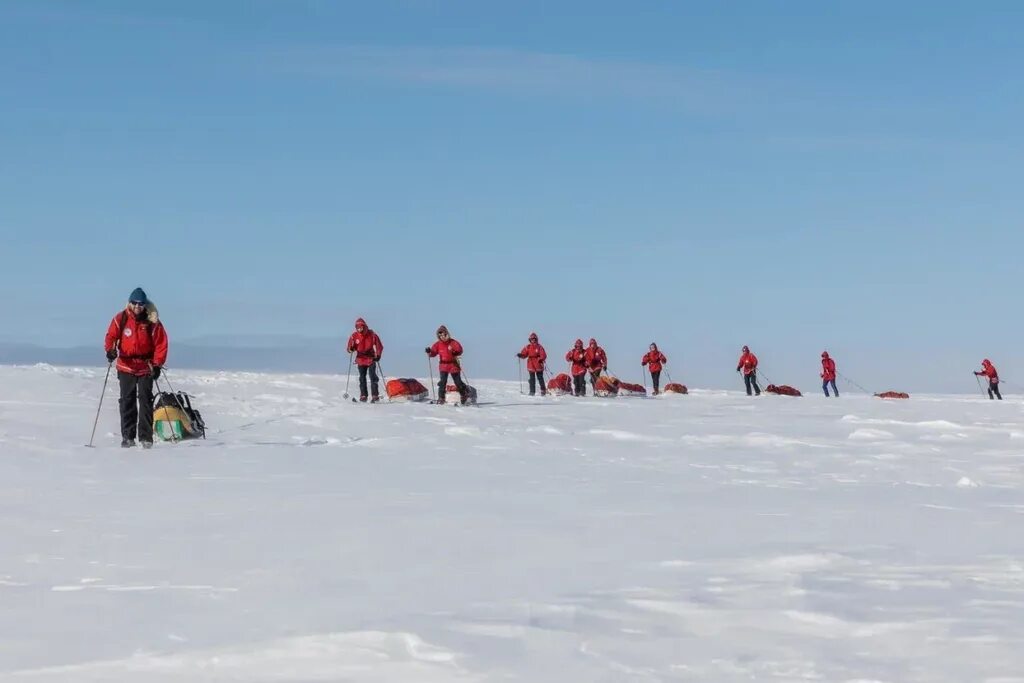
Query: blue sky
[{"x": 794, "y": 176}]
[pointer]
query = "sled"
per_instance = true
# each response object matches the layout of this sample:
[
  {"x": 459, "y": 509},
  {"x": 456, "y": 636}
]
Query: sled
[
  {"x": 782, "y": 390},
  {"x": 405, "y": 389},
  {"x": 675, "y": 388}
]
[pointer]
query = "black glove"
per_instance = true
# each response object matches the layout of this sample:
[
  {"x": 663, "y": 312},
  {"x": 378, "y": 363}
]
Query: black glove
[
  {"x": 111, "y": 355},
  {"x": 519, "y": 355},
  {"x": 427, "y": 349},
  {"x": 156, "y": 372}
]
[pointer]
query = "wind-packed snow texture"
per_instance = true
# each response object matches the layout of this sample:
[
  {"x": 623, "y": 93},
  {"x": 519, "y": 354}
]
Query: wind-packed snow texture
[{"x": 709, "y": 537}]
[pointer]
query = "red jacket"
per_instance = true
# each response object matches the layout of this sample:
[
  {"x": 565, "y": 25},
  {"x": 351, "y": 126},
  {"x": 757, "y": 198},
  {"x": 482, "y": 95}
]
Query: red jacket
[
  {"x": 367, "y": 347},
  {"x": 748, "y": 363},
  {"x": 141, "y": 342},
  {"x": 989, "y": 370},
  {"x": 578, "y": 358},
  {"x": 828, "y": 369},
  {"x": 448, "y": 353},
  {"x": 536, "y": 355},
  {"x": 596, "y": 358},
  {"x": 654, "y": 360}
]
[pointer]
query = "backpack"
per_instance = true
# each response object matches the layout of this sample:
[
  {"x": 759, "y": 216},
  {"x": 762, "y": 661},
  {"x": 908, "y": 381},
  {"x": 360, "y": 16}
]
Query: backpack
[{"x": 174, "y": 418}]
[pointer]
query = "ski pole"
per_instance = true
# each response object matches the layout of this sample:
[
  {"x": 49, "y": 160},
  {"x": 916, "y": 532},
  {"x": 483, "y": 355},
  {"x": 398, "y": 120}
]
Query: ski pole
[
  {"x": 110, "y": 364},
  {"x": 980, "y": 388},
  {"x": 520, "y": 376},
  {"x": 645, "y": 377},
  {"x": 383, "y": 379},
  {"x": 430, "y": 369},
  {"x": 348, "y": 376}
]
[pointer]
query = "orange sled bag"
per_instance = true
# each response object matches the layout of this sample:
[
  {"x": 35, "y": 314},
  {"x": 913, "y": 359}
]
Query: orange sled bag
[
  {"x": 560, "y": 384},
  {"x": 606, "y": 385},
  {"x": 404, "y": 389},
  {"x": 782, "y": 390}
]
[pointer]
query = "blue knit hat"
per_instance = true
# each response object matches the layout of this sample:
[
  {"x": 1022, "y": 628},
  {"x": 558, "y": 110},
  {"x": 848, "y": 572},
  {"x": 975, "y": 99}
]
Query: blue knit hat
[{"x": 138, "y": 296}]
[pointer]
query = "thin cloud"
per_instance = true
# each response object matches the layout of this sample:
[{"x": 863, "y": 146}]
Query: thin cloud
[{"x": 515, "y": 71}]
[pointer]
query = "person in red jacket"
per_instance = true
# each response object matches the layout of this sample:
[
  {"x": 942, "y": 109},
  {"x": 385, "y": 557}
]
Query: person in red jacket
[
  {"x": 136, "y": 339},
  {"x": 748, "y": 364},
  {"x": 828, "y": 374},
  {"x": 654, "y": 359},
  {"x": 989, "y": 370},
  {"x": 597, "y": 361},
  {"x": 577, "y": 357},
  {"x": 368, "y": 348},
  {"x": 535, "y": 356},
  {"x": 447, "y": 351}
]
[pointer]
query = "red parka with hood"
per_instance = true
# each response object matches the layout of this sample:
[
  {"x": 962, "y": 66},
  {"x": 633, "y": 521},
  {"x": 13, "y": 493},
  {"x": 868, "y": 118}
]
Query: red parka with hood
[
  {"x": 828, "y": 367},
  {"x": 654, "y": 359},
  {"x": 988, "y": 370},
  {"x": 534, "y": 354},
  {"x": 748, "y": 362},
  {"x": 140, "y": 339},
  {"x": 578, "y": 357},
  {"x": 365, "y": 343},
  {"x": 447, "y": 352},
  {"x": 596, "y": 357}
]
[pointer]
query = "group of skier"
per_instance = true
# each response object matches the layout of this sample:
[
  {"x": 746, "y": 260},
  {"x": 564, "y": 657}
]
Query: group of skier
[{"x": 137, "y": 341}]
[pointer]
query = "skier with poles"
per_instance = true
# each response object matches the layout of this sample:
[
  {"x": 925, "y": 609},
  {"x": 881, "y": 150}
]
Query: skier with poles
[
  {"x": 136, "y": 339},
  {"x": 748, "y": 364},
  {"x": 654, "y": 360},
  {"x": 535, "y": 356},
  {"x": 577, "y": 358},
  {"x": 828, "y": 374},
  {"x": 597, "y": 361},
  {"x": 988, "y": 370},
  {"x": 447, "y": 351},
  {"x": 368, "y": 349}
]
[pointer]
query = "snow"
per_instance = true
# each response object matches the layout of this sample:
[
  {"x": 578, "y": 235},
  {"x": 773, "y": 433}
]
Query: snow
[{"x": 709, "y": 537}]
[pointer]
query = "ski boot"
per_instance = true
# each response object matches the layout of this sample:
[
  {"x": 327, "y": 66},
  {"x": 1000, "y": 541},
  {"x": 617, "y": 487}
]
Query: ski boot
[
  {"x": 375, "y": 399},
  {"x": 127, "y": 443},
  {"x": 362, "y": 399},
  {"x": 147, "y": 444}
]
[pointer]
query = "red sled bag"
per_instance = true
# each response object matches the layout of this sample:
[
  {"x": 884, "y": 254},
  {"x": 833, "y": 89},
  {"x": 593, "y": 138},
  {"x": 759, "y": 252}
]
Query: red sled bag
[
  {"x": 560, "y": 385},
  {"x": 675, "y": 388},
  {"x": 893, "y": 394},
  {"x": 628, "y": 389},
  {"x": 606, "y": 386},
  {"x": 405, "y": 389},
  {"x": 452, "y": 395},
  {"x": 782, "y": 390}
]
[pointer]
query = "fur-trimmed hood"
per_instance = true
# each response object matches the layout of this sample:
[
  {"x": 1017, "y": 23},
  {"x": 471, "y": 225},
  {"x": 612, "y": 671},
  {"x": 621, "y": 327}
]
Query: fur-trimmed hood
[{"x": 152, "y": 315}]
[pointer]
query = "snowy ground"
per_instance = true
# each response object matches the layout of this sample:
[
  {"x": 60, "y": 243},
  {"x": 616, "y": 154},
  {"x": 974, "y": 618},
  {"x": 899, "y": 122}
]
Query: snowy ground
[{"x": 708, "y": 537}]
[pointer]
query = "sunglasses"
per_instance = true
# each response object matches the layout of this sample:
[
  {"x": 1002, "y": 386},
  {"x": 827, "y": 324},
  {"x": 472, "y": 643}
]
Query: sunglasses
[{"x": 137, "y": 303}]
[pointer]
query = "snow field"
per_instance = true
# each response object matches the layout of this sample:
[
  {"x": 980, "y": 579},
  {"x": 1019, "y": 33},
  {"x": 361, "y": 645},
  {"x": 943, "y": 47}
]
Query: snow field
[{"x": 709, "y": 537}]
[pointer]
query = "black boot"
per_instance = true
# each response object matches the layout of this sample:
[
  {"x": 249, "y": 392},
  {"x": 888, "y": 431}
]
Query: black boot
[{"x": 127, "y": 443}]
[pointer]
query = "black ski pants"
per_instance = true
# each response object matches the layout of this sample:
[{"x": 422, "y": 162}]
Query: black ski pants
[
  {"x": 655, "y": 378},
  {"x": 579, "y": 385},
  {"x": 993, "y": 390},
  {"x": 136, "y": 406},
  {"x": 751, "y": 382},
  {"x": 370, "y": 370},
  {"x": 535, "y": 379},
  {"x": 442, "y": 385}
]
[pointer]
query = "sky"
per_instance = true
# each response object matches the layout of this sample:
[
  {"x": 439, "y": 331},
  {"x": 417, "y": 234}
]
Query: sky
[{"x": 794, "y": 176}]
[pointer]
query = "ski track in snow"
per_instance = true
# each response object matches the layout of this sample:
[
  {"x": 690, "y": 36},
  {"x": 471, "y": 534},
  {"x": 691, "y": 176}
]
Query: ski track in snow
[{"x": 709, "y": 537}]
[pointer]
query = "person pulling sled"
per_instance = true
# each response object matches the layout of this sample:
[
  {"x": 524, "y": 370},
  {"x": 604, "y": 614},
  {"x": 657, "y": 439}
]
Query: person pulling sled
[
  {"x": 367, "y": 347},
  {"x": 828, "y": 374},
  {"x": 748, "y": 365},
  {"x": 654, "y": 360},
  {"x": 447, "y": 351},
  {"x": 988, "y": 370},
  {"x": 536, "y": 357},
  {"x": 137, "y": 340},
  {"x": 597, "y": 362},
  {"x": 577, "y": 358}
]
